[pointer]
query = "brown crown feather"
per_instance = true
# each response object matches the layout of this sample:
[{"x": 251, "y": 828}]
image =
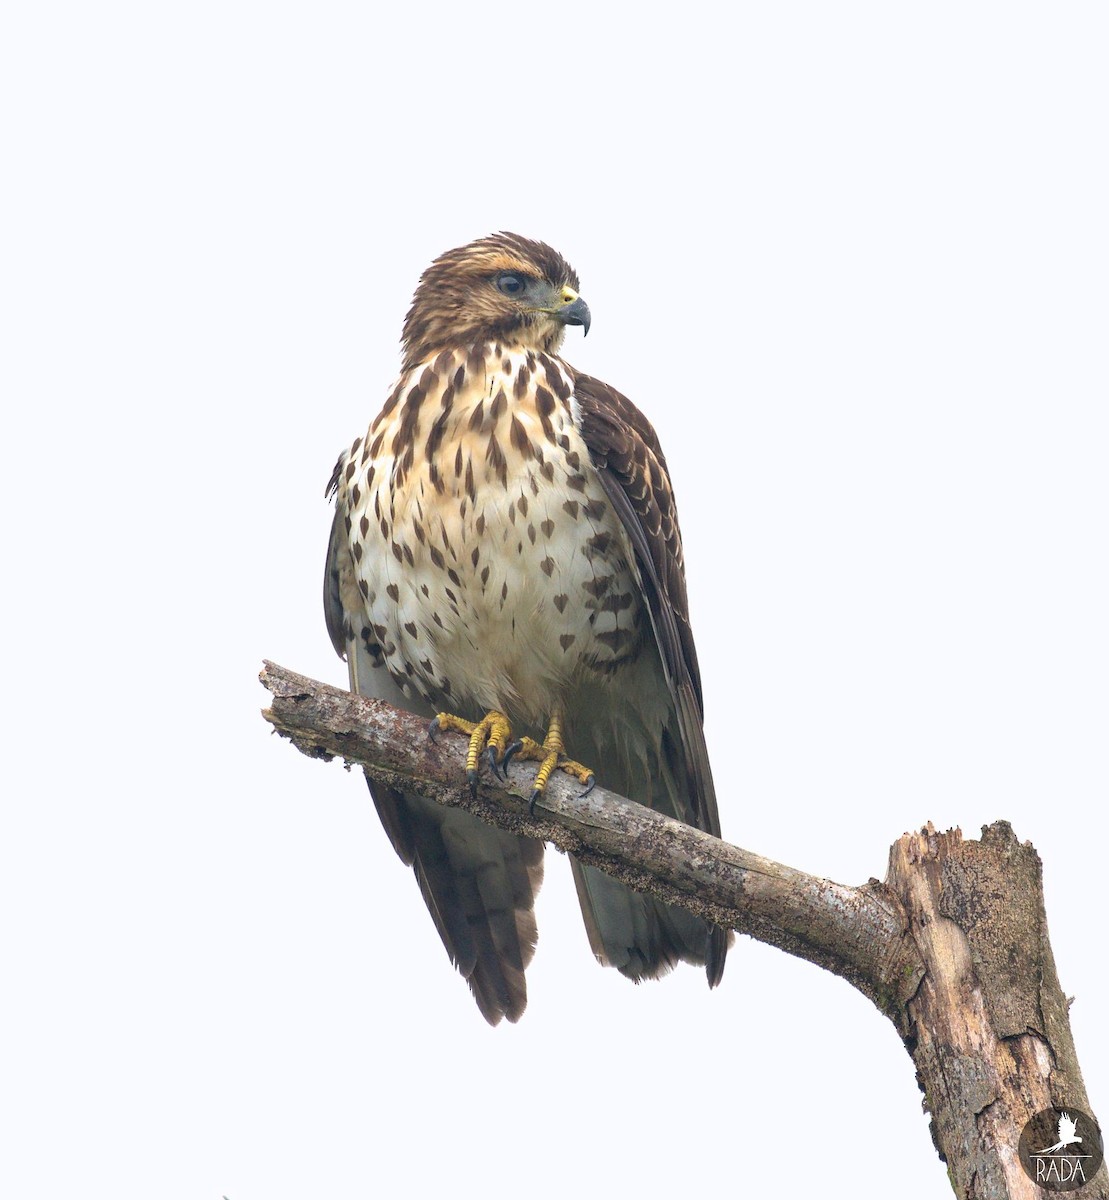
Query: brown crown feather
[{"x": 457, "y": 303}]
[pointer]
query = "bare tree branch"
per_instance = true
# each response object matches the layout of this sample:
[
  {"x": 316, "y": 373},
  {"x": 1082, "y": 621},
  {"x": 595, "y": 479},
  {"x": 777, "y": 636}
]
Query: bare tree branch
[
  {"x": 855, "y": 932},
  {"x": 953, "y": 948}
]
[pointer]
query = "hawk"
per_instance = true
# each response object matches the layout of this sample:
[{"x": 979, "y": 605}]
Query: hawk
[{"x": 505, "y": 558}]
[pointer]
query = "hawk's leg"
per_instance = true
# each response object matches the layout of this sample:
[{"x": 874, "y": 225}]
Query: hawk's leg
[
  {"x": 491, "y": 734},
  {"x": 549, "y": 755}
]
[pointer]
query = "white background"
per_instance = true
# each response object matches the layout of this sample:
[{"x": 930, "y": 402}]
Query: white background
[{"x": 852, "y": 261}]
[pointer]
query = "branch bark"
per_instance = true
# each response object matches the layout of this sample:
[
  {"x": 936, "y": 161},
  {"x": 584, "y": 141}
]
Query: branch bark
[{"x": 952, "y": 947}]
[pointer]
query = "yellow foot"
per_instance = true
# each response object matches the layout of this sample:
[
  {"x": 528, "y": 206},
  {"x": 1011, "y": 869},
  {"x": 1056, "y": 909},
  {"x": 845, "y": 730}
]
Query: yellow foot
[
  {"x": 550, "y": 755},
  {"x": 491, "y": 734}
]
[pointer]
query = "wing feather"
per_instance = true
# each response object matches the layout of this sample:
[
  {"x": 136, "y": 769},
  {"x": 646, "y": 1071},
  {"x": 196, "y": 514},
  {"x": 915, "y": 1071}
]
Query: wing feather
[{"x": 626, "y": 452}]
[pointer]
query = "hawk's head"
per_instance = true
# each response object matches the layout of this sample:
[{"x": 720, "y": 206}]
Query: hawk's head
[{"x": 504, "y": 288}]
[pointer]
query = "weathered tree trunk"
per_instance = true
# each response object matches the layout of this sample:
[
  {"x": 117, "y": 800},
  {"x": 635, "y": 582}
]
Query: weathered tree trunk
[
  {"x": 988, "y": 1027},
  {"x": 953, "y": 947}
]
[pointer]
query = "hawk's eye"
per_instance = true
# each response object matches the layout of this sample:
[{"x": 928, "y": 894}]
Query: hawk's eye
[{"x": 510, "y": 283}]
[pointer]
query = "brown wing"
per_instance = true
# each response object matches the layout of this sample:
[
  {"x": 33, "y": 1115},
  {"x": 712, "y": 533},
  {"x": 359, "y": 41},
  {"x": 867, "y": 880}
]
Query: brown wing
[{"x": 626, "y": 452}]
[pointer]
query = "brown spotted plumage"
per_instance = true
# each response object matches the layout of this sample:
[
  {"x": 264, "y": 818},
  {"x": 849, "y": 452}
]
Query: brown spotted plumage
[{"x": 506, "y": 542}]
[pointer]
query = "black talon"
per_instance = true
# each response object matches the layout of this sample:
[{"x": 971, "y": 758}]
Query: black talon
[
  {"x": 472, "y": 777},
  {"x": 491, "y": 759},
  {"x": 589, "y": 787},
  {"x": 433, "y": 729},
  {"x": 509, "y": 754},
  {"x": 531, "y": 803}
]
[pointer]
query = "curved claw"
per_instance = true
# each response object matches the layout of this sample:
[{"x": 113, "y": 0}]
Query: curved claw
[
  {"x": 509, "y": 753},
  {"x": 433, "y": 729},
  {"x": 472, "y": 777},
  {"x": 531, "y": 803},
  {"x": 590, "y": 784},
  {"x": 491, "y": 758}
]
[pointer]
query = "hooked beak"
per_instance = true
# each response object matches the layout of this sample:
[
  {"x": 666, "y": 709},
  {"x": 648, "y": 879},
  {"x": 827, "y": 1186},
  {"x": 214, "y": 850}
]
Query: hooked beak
[{"x": 573, "y": 310}]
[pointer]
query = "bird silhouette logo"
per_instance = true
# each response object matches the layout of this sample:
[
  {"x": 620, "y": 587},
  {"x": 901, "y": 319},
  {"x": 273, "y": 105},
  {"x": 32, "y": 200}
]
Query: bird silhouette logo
[
  {"x": 1067, "y": 1132},
  {"x": 1072, "y": 1159}
]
